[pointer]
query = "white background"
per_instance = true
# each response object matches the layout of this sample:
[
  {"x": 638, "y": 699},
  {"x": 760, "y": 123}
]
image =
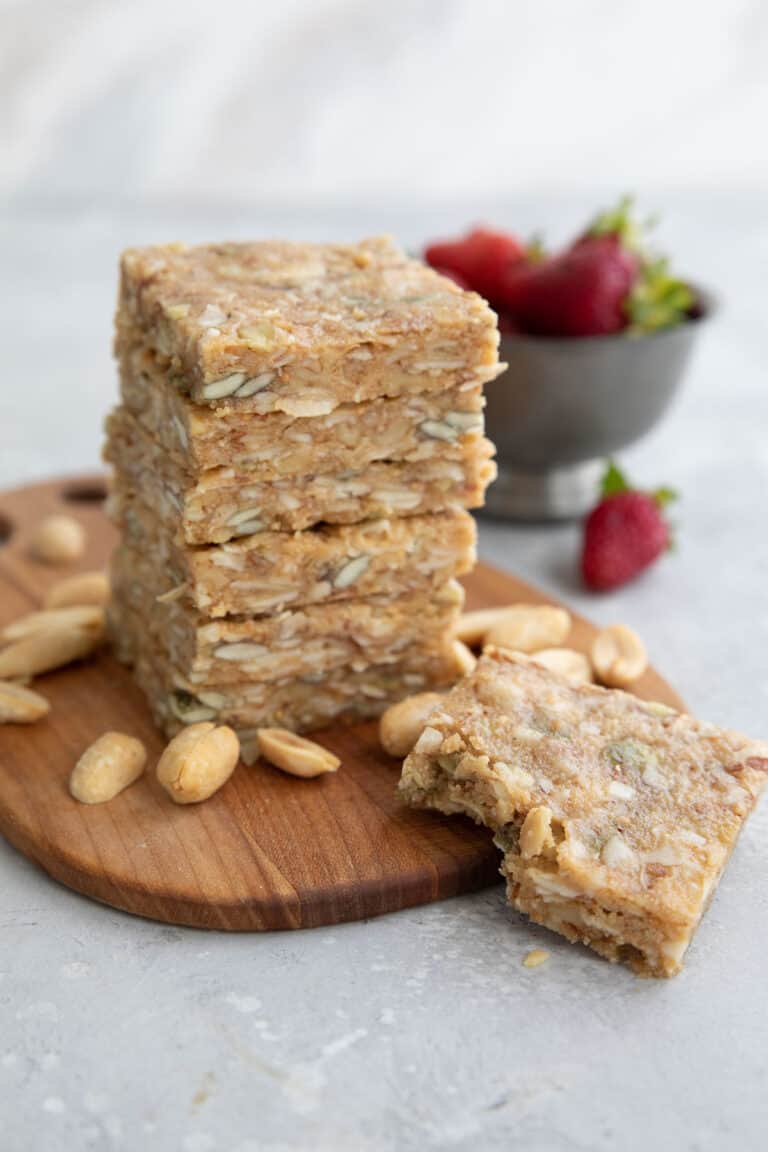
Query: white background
[
  {"x": 132, "y": 122},
  {"x": 252, "y": 101}
]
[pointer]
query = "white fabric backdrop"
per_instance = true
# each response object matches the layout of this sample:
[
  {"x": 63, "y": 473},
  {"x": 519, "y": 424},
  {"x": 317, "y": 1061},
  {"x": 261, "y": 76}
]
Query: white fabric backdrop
[{"x": 250, "y": 100}]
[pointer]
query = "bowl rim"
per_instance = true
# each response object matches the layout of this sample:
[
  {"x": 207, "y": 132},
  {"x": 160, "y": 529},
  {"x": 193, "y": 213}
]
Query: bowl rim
[{"x": 708, "y": 301}]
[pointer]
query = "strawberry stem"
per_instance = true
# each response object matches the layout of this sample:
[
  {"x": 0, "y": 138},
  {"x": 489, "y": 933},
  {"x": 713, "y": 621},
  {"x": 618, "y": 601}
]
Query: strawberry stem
[
  {"x": 657, "y": 299},
  {"x": 665, "y": 496},
  {"x": 614, "y": 480},
  {"x": 535, "y": 249},
  {"x": 621, "y": 223}
]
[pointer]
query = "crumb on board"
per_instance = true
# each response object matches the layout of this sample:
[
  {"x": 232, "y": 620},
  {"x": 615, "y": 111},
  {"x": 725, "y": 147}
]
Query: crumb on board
[{"x": 535, "y": 957}]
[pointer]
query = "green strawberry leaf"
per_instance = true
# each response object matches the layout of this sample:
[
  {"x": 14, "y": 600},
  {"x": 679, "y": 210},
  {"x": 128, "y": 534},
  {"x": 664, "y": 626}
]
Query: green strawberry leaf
[
  {"x": 672, "y": 527},
  {"x": 620, "y": 221},
  {"x": 535, "y": 249},
  {"x": 657, "y": 299},
  {"x": 665, "y": 496},
  {"x": 614, "y": 480}
]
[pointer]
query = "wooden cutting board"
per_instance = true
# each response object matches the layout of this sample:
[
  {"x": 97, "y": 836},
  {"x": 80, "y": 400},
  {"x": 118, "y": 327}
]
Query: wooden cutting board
[{"x": 266, "y": 852}]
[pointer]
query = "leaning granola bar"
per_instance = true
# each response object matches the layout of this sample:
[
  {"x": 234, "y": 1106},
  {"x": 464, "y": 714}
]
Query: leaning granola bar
[{"x": 615, "y": 816}]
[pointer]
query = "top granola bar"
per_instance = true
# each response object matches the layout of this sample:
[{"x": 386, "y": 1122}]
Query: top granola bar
[{"x": 311, "y": 325}]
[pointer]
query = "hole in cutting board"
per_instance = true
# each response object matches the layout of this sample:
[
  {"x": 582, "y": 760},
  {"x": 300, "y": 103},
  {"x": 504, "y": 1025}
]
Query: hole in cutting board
[
  {"x": 89, "y": 492},
  {"x": 6, "y": 529}
]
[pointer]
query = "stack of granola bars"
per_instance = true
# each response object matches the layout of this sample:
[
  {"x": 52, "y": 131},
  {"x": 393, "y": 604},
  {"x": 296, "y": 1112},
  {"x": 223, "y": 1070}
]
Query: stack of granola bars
[{"x": 299, "y": 437}]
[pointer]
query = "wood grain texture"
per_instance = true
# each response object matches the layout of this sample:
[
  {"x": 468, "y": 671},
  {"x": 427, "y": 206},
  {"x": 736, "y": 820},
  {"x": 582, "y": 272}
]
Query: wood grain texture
[{"x": 267, "y": 851}]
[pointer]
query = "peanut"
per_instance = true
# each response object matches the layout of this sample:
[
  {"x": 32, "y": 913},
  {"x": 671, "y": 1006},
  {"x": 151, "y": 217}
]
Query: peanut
[
  {"x": 530, "y": 627},
  {"x": 465, "y": 657},
  {"x": 89, "y": 617},
  {"x": 535, "y": 958},
  {"x": 43, "y": 651},
  {"x": 403, "y": 723},
  {"x": 85, "y": 588},
  {"x": 294, "y": 754},
  {"x": 566, "y": 662},
  {"x": 20, "y": 706},
  {"x": 618, "y": 656},
  {"x": 107, "y": 767},
  {"x": 197, "y": 762},
  {"x": 57, "y": 540},
  {"x": 473, "y": 627}
]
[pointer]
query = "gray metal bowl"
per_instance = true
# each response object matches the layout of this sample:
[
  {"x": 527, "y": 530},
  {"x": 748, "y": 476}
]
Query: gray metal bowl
[{"x": 563, "y": 406}]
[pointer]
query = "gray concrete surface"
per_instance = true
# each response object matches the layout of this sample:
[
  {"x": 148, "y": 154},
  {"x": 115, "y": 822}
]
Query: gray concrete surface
[{"x": 420, "y": 1030}]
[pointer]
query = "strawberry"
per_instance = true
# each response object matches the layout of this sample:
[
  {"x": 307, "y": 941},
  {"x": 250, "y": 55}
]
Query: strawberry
[
  {"x": 579, "y": 292},
  {"x": 624, "y": 533},
  {"x": 479, "y": 259},
  {"x": 604, "y": 282}
]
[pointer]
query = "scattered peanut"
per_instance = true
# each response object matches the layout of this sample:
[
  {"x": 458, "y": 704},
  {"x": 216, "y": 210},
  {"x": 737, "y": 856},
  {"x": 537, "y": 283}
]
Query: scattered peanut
[
  {"x": 85, "y": 588},
  {"x": 197, "y": 762},
  {"x": 402, "y": 724},
  {"x": 530, "y": 627},
  {"x": 535, "y": 958},
  {"x": 41, "y": 652},
  {"x": 566, "y": 662},
  {"x": 465, "y": 657},
  {"x": 58, "y": 540},
  {"x": 20, "y": 706},
  {"x": 107, "y": 767},
  {"x": 473, "y": 627},
  {"x": 618, "y": 656},
  {"x": 294, "y": 754},
  {"x": 89, "y": 617}
]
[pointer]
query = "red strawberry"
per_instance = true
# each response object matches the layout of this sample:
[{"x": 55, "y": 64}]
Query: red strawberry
[
  {"x": 480, "y": 258},
  {"x": 604, "y": 282},
  {"x": 580, "y": 292},
  {"x": 624, "y": 533}
]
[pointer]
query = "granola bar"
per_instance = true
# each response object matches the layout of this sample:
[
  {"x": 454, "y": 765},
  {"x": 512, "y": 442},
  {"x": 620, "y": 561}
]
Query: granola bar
[
  {"x": 616, "y": 817},
  {"x": 304, "y": 327},
  {"x": 224, "y": 503},
  {"x": 352, "y": 634},
  {"x": 410, "y": 427},
  {"x": 269, "y": 571},
  {"x": 299, "y": 703}
]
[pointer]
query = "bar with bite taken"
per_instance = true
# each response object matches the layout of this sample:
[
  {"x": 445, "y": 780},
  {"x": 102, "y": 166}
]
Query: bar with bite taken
[{"x": 615, "y": 816}]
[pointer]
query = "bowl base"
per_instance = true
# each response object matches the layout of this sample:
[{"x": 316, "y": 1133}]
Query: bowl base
[{"x": 558, "y": 494}]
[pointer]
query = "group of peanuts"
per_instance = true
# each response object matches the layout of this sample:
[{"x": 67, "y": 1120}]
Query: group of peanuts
[
  {"x": 201, "y": 758},
  {"x": 195, "y": 764},
  {"x": 617, "y": 659},
  {"x": 71, "y": 626}
]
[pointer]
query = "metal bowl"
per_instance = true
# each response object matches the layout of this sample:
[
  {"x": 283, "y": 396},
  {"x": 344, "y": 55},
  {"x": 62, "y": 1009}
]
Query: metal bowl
[{"x": 562, "y": 406}]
